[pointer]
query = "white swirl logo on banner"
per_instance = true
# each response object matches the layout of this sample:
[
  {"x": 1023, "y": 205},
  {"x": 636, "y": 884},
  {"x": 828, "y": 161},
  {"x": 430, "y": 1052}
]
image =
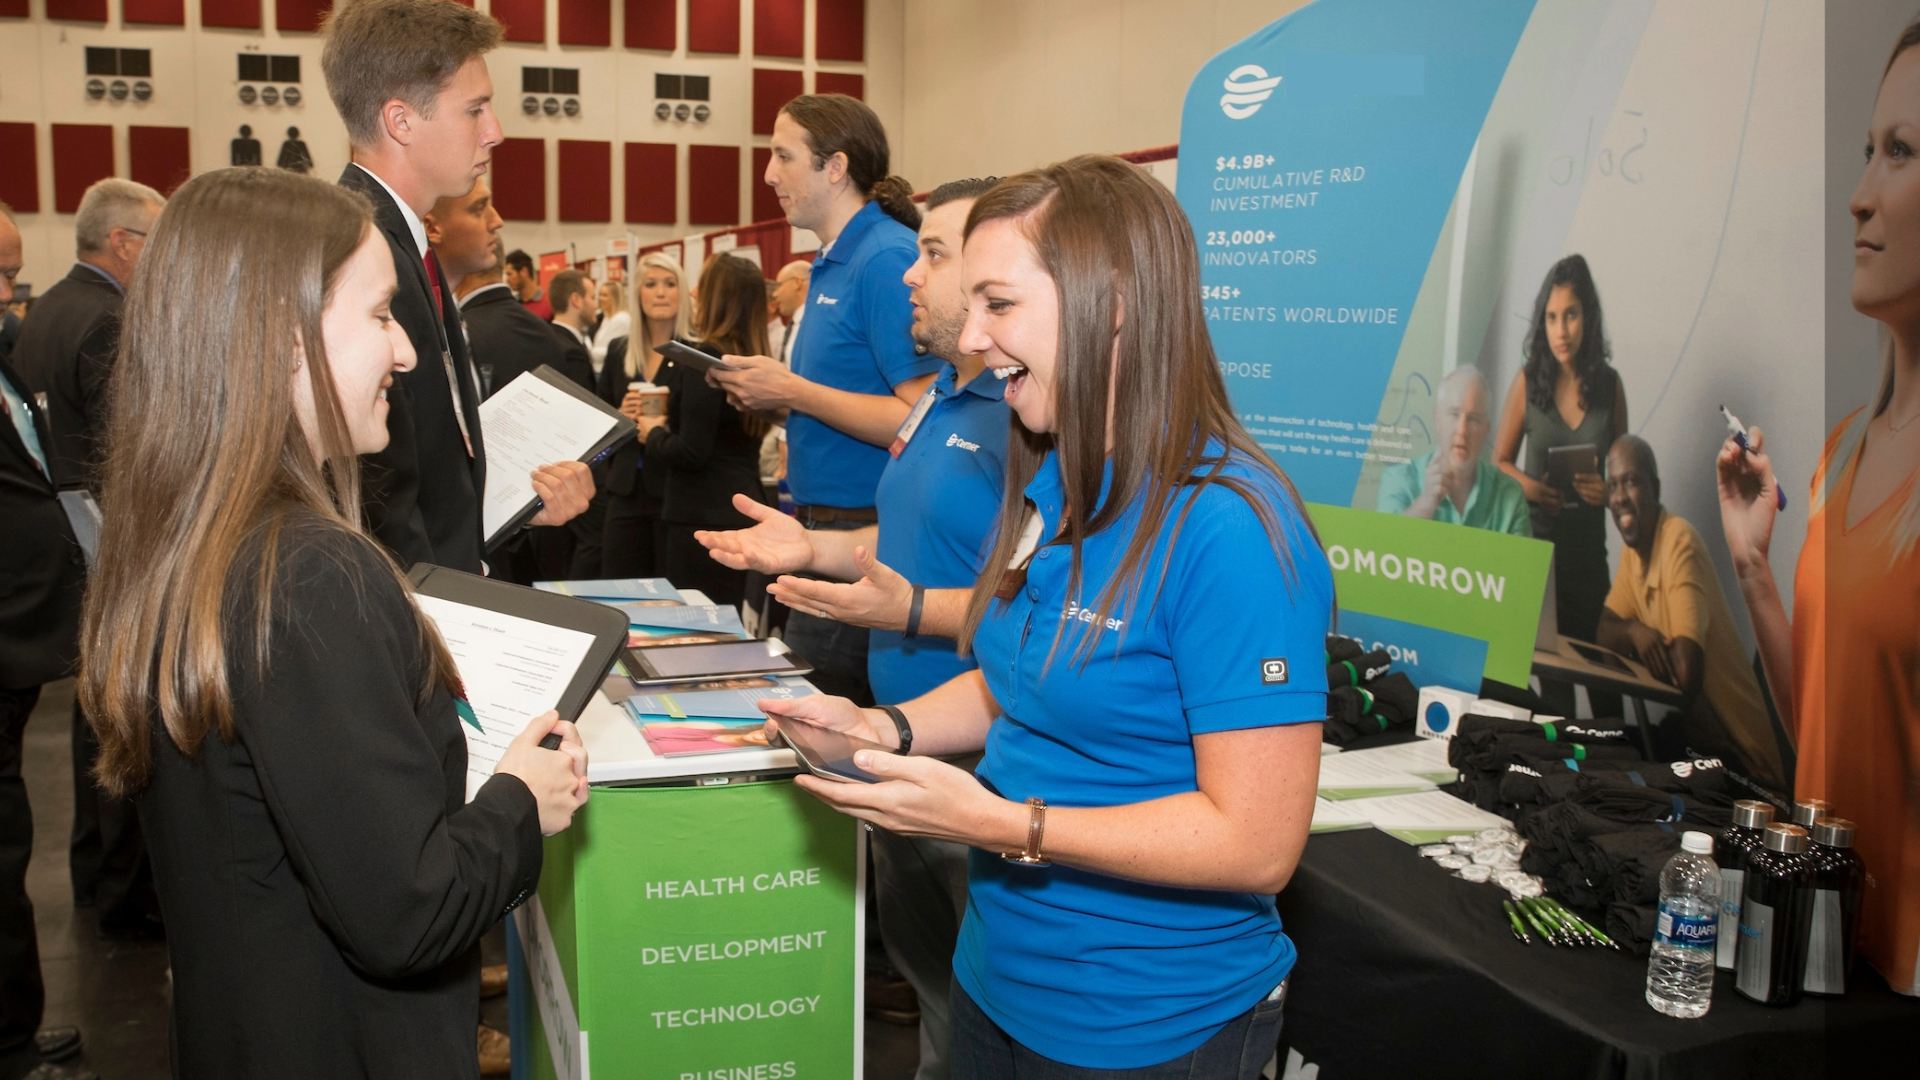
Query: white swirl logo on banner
[{"x": 1247, "y": 87}]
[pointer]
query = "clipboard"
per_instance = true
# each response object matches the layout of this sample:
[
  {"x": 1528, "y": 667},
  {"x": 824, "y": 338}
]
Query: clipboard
[
  {"x": 607, "y": 626},
  {"x": 618, "y": 429}
]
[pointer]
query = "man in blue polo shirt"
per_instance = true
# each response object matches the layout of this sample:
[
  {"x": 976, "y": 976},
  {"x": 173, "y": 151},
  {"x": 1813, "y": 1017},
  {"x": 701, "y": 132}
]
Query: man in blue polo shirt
[
  {"x": 938, "y": 499},
  {"x": 856, "y": 372}
]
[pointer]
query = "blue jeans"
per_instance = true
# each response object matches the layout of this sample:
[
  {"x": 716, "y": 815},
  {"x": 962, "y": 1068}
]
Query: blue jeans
[{"x": 982, "y": 1051}]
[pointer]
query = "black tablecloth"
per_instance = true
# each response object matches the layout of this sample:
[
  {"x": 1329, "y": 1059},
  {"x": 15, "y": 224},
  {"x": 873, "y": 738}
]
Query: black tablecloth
[{"x": 1406, "y": 971}]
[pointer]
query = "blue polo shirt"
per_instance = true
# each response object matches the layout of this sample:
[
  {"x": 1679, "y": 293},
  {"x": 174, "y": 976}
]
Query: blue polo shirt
[
  {"x": 1097, "y": 971},
  {"x": 938, "y": 503},
  {"x": 856, "y": 336}
]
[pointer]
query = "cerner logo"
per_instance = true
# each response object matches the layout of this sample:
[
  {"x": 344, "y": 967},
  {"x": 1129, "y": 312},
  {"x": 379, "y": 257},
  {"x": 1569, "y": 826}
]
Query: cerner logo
[{"x": 1246, "y": 87}]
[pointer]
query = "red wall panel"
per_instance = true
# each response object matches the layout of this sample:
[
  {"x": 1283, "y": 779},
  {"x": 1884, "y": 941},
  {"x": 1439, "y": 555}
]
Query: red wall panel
[
  {"x": 82, "y": 153},
  {"x": 299, "y": 16},
  {"x": 840, "y": 30},
  {"x": 652, "y": 183},
  {"x": 586, "y": 180},
  {"x": 840, "y": 82},
  {"x": 779, "y": 28},
  {"x": 78, "y": 10},
  {"x": 650, "y": 24},
  {"x": 159, "y": 157},
  {"x": 525, "y": 20},
  {"x": 234, "y": 14},
  {"x": 765, "y": 203},
  {"x": 154, "y": 12},
  {"x": 713, "y": 26},
  {"x": 20, "y": 180},
  {"x": 520, "y": 179},
  {"x": 586, "y": 22},
  {"x": 773, "y": 88},
  {"x": 713, "y": 185},
  {"x": 15, "y": 9}
]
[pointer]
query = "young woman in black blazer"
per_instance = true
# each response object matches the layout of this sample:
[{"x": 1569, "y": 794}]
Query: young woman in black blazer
[
  {"x": 259, "y": 677},
  {"x": 710, "y": 450},
  {"x": 631, "y": 542}
]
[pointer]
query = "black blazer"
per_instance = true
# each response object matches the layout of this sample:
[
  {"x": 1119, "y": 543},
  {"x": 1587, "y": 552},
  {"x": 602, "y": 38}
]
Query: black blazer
[
  {"x": 42, "y": 572},
  {"x": 422, "y": 493},
  {"x": 707, "y": 453},
  {"x": 578, "y": 362},
  {"x": 627, "y": 474},
  {"x": 66, "y": 352},
  {"x": 508, "y": 340},
  {"x": 325, "y": 882}
]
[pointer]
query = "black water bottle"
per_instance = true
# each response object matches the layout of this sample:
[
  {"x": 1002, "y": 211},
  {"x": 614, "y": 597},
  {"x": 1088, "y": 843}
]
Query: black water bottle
[
  {"x": 1808, "y": 811},
  {"x": 1839, "y": 877},
  {"x": 1737, "y": 843},
  {"x": 1775, "y": 911}
]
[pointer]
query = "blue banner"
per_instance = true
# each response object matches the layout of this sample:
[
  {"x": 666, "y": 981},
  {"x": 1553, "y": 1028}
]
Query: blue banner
[
  {"x": 1428, "y": 656},
  {"x": 1317, "y": 162}
]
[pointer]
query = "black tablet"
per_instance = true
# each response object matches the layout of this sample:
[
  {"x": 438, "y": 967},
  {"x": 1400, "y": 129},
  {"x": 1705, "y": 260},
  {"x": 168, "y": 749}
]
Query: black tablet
[
  {"x": 827, "y": 753},
  {"x": 682, "y": 353},
  {"x": 704, "y": 660},
  {"x": 1566, "y": 462}
]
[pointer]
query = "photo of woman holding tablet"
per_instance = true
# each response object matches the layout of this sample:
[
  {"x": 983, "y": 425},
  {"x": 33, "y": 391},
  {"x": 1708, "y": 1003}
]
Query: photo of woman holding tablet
[
  {"x": 259, "y": 677},
  {"x": 1151, "y": 688}
]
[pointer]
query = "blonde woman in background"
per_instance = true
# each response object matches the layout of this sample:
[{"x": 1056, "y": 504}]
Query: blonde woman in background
[
  {"x": 615, "y": 322},
  {"x": 631, "y": 538},
  {"x": 1845, "y": 671}
]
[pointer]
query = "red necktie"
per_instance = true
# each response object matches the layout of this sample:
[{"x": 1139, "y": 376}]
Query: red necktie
[{"x": 433, "y": 279}]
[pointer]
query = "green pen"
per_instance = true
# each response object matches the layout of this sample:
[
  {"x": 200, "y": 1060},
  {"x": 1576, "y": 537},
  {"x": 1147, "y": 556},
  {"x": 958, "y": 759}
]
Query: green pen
[
  {"x": 1538, "y": 927},
  {"x": 465, "y": 712},
  {"x": 1555, "y": 915},
  {"x": 1514, "y": 918},
  {"x": 1598, "y": 933}
]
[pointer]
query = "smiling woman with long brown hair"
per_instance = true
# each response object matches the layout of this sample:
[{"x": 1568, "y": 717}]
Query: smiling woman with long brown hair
[
  {"x": 259, "y": 678},
  {"x": 1150, "y": 632}
]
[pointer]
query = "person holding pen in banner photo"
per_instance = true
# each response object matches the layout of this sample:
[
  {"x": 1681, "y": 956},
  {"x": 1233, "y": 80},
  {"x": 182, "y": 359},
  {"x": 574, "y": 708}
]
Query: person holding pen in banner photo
[
  {"x": 1150, "y": 631},
  {"x": 259, "y": 676}
]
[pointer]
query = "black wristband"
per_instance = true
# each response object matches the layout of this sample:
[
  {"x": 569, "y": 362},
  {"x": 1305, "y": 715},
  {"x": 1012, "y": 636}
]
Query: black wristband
[
  {"x": 900, "y": 723},
  {"x": 913, "y": 612}
]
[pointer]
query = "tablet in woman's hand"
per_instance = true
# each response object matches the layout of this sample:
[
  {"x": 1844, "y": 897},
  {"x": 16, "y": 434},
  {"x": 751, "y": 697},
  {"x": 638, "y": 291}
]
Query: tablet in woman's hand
[{"x": 827, "y": 753}]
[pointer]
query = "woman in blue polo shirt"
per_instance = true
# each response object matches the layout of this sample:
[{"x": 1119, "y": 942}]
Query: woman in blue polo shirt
[{"x": 1150, "y": 690}]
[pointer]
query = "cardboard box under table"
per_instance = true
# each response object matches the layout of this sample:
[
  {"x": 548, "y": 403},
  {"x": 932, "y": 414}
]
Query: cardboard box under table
[{"x": 701, "y": 920}]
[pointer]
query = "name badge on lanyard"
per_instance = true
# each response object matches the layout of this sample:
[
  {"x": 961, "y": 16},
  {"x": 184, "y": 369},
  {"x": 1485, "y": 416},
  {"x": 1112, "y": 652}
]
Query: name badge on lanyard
[{"x": 912, "y": 424}]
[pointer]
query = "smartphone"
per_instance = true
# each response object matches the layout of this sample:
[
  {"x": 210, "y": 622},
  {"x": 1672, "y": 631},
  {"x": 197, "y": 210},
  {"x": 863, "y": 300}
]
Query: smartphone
[
  {"x": 825, "y": 753},
  {"x": 705, "y": 660},
  {"x": 686, "y": 355}
]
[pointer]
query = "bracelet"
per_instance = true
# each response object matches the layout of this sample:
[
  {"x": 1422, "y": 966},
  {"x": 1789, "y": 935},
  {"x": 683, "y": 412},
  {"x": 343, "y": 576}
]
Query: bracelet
[
  {"x": 900, "y": 724},
  {"x": 913, "y": 611},
  {"x": 1036, "y": 831}
]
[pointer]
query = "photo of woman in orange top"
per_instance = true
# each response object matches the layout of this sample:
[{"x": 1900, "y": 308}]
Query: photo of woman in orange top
[{"x": 1846, "y": 670}]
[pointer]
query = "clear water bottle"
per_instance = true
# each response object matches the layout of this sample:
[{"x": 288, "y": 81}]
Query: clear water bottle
[{"x": 1680, "y": 975}]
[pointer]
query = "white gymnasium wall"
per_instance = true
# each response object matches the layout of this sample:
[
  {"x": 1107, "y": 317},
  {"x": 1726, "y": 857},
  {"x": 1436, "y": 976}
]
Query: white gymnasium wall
[{"x": 42, "y": 80}]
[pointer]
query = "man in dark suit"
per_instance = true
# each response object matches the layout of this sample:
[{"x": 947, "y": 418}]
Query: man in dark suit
[
  {"x": 572, "y": 296},
  {"x": 44, "y": 574},
  {"x": 66, "y": 351},
  {"x": 411, "y": 149}
]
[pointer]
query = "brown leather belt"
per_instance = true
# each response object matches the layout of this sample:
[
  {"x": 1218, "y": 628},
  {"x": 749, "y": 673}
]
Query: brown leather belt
[{"x": 812, "y": 516}]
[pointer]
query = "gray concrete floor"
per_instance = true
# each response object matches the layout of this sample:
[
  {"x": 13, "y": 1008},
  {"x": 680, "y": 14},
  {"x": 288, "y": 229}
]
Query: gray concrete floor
[{"x": 117, "y": 993}]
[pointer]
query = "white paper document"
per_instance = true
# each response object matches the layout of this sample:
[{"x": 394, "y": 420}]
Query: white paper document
[
  {"x": 1353, "y": 775},
  {"x": 1425, "y": 818},
  {"x": 1425, "y": 758},
  {"x": 530, "y": 422},
  {"x": 1330, "y": 816},
  {"x": 514, "y": 669}
]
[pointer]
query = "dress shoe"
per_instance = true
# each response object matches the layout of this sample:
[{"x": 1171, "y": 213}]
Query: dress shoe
[
  {"x": 892, "y": 1001},
  {"x": 493, "y": 980},
  {"x": 496, "y": 1053},
  {"x": 47, "y": 1070},
  {"x": 57, "y": 1043}
]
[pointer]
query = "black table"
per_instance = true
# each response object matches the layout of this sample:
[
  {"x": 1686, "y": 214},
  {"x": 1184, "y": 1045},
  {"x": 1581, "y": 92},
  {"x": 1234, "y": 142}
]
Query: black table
[{"x": 1406, "y": 971}]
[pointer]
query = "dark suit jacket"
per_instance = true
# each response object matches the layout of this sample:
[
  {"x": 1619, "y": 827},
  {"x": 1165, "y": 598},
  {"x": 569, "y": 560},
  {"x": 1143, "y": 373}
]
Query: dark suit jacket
[
  {"x": 422, "y": 493},
  {"x": 578, "y": 362},
  {"x": 627, "y": 475},
  {"x": 508, "y": 340},
  {"x": 42, "y": 572},
  {"x": 66, "y": 351},
  {"x": 325, "y": 881},
  {"x": 704, "y": 451}
]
